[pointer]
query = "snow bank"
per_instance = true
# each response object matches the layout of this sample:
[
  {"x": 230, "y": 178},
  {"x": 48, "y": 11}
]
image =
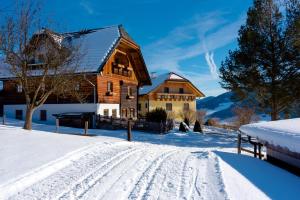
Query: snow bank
[
  {"x": 22, "y": 151},
  {"x": 285, "y": 133},
  {"x": 246, "y": 177}
]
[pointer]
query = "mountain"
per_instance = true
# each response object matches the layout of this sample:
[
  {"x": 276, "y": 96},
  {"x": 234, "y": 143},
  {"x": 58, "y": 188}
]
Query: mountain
[
  {"x": 221, "y": 107},
  {"x": 217, "y": 107}
]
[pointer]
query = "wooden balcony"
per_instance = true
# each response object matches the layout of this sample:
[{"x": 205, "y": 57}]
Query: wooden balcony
[{"x": 175, "y": 97}]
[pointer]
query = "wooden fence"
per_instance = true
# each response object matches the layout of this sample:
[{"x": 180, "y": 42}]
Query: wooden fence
[{"x": 141, "y": 124}]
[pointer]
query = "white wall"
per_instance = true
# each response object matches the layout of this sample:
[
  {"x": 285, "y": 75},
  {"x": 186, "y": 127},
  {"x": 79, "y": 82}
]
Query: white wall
[
  {"x": 10, "y": 110},
  {"x": 102, "y": 106}
]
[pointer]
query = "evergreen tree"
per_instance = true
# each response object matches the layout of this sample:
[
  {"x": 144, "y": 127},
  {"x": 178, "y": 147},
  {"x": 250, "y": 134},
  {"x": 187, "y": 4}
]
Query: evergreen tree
[
  {"x": 182, "y": 128},
  {"x": 266, "y": 63},
  {"x": 197, "y": 127}
]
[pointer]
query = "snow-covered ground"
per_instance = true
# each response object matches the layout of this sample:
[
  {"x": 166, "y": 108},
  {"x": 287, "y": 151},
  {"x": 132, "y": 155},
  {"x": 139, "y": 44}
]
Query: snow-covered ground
[{"x": 44, "y": 165}]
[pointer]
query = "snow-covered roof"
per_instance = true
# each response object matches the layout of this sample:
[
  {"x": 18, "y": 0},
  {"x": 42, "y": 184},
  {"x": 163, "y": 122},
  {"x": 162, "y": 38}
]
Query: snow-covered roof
[
  {"x": 158, "y": 80},
  {"x": 284, "y": 133},
  {"x": 95, "y": 46}
]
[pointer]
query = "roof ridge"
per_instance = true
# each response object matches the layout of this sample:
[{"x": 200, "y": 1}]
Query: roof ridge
[{"x": 92, "y": 29}]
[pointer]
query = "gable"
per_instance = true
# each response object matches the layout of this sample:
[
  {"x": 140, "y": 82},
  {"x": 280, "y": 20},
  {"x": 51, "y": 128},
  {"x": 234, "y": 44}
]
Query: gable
[
  {"x": 175, "y": 84},
  {"x": 173, "y": 78}
]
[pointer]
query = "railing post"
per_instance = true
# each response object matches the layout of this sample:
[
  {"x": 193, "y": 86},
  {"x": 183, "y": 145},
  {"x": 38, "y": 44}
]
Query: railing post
[
  {"x": 57, "y": 124},
  {"x": 259, "y": 151},
  {"x": 239, "y": 143},
  {"x": 3, "y": 119},
  {"x": 86, "y": 127},
  {"x": 129, "y": 130},
  {"x": 255, "y": 150}
]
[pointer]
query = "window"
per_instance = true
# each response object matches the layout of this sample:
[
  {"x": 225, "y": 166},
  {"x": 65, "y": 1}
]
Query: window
[
  {"x": 109, "y": 86},
  {"x": 105, "y": 112},
  {"x": 139, "y": 107},
  {"x": 19, "y": 88},
  {"x": 146, "y": 105},
  {"x": 1, "y": 85},
  {"x": 168, "y": 106},
  {"x": 132, "y": 113},
  {"x": 186, "y": 106},
  {"x": 124, "y": 112},
  {"x": 166, "y": 90},
  {"x": 43, "y": 115},
  {"x": 125, "y": 72},
  {"x": 77, "y": 87},
  {"x": 181, "y": 91},
  {"x": 114, "y": 113},
  {"x": 129, "y": 91},
  {"x": 19, "y": 114}
]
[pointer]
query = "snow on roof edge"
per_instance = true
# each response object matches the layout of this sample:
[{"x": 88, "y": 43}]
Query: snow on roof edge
[{"x": 283, "y": 133}]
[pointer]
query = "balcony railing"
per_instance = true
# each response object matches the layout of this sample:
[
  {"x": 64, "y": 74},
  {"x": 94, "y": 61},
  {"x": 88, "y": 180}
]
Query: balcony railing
[{"x": 175, "y": 96}]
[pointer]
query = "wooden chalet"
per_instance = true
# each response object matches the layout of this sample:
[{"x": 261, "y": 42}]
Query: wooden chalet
[
  {"x": 114, "y": 68},
  {"x": 169, "y": 91}
]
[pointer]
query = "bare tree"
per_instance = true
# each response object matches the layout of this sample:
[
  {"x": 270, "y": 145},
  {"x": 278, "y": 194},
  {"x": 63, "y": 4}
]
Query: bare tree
[
  {"x": 244, "y": 115},
  {"x": 39, "y": 62},
  {"x": 212, "y": 122},
  {"x": 200, "y": 116},
  {"x": 188, "y": 116}
]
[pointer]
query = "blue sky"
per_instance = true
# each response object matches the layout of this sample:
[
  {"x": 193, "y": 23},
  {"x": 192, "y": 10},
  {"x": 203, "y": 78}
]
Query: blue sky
[{"x": 189, "y": 37}]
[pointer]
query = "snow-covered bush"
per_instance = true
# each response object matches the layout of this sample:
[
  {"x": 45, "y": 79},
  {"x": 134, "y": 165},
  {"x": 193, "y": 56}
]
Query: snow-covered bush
[{"x": 183, "y": 127}]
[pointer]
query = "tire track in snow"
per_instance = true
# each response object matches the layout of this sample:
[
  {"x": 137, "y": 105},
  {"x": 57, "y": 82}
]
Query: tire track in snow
[
  {"x": 185, "y": 182},
  {"x": 30, "y": 178},
  {"x": 122, "y": 187},
  {"x": 49, "y": 187},
  {"x": 141, "y": 186},
  {"x": 208, "y": 183},
  {"x": 90, "y": 180},
  {"x": 163, "y": 184},
  {"x": 183, "y": 177},
  {"x": 195, "y": 192},
  {"x": 113, "y": 176}
]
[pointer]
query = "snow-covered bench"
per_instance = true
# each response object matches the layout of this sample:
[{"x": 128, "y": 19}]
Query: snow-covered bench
[{"x": 281, "y": 138}]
